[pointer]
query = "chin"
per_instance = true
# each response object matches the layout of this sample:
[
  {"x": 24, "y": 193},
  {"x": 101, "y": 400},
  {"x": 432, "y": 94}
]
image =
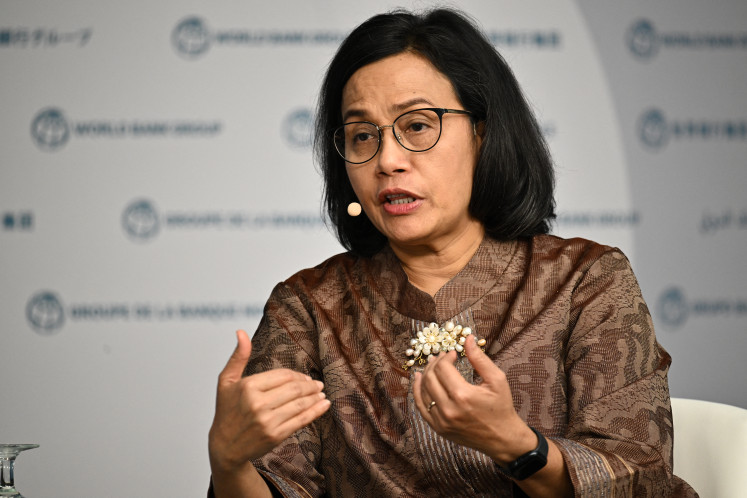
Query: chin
[
  {"x": 412, "y": 239},
  {"x": 406, "y": 232}
]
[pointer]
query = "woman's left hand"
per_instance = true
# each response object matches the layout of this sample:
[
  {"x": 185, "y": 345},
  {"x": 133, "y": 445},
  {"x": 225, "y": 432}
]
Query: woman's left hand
[{"x": 478, "y": 416}]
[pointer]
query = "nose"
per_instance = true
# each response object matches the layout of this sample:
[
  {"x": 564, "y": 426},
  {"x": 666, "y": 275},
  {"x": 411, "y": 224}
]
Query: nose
[{"x": 392, "y": 157}]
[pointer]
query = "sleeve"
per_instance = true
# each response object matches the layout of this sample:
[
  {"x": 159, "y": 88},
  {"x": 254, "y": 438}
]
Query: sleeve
[
  {"x": 285, "y": 338},
  {"x": 619, "y": 437}
]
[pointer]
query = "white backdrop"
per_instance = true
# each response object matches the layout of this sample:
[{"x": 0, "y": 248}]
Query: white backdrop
[{"x": 156, "y": 181}]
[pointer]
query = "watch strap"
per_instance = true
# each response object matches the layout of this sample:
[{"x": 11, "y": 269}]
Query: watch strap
[{"x": 530, "y": 462}]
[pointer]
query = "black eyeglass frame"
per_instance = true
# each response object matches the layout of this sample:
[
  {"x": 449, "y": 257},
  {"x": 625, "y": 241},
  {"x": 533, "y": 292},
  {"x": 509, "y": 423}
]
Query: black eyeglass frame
[{"x": 440, "y": 111}]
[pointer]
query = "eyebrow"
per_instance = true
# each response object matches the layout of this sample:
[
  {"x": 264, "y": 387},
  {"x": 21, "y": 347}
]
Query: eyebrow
[{"x": 401, "y": 107}]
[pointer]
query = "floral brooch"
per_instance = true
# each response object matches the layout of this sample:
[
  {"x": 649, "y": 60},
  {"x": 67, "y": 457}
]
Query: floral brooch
[{"x": 434, "y": 339}]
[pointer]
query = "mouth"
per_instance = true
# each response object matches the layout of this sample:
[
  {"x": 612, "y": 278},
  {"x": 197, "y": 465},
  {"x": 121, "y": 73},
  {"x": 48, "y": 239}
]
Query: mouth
[
  {"x": 399, "y": 199},
  {"x": 399, "y": 202}
]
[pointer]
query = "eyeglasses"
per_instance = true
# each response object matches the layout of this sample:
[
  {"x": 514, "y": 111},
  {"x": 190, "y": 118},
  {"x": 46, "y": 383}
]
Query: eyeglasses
[{"x": 416, "y": 131}]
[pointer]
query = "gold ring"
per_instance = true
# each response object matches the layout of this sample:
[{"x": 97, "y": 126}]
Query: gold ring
[{"x": 433, "y": 403}]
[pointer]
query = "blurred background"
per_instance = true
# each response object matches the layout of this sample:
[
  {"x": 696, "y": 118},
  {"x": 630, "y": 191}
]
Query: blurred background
[{"x": 156, "y": 181}]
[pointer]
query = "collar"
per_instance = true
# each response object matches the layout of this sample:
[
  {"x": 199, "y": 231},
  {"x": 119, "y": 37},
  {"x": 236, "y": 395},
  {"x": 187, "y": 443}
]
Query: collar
[{"x": 483, "y": 272}]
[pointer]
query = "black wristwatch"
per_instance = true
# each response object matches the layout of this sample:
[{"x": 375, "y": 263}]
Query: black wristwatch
[{"x": 528, "y": 463}]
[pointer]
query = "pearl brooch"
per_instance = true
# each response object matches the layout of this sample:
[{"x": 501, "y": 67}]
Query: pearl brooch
[{"x": 434, "y": 339}]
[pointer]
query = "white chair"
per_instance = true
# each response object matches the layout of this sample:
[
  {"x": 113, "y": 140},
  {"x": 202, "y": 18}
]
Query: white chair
[{"x": 710, "y": 447}]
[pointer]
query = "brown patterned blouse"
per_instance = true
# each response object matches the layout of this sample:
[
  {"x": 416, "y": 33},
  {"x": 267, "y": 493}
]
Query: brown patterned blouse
[{"x": 565, "y": 321}]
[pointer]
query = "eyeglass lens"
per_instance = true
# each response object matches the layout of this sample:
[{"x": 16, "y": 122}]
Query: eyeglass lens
[{"x": 417, "y": 131}]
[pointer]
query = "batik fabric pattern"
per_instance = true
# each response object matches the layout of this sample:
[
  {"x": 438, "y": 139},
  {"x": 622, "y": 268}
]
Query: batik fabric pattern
[{"x": 564, "y": 319}]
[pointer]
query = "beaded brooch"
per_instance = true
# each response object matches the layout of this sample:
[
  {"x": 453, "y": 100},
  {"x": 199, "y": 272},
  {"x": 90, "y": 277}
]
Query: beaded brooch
[{"x": 433, "y": 339}]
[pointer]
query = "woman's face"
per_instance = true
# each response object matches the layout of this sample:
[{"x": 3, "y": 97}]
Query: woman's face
[{"x": 413, "y": 198}]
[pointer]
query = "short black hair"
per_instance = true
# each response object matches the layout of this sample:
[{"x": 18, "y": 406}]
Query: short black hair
[{"x": 512, "y": 191}]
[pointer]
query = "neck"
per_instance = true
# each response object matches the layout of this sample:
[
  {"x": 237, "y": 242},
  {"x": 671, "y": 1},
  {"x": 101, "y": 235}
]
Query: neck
[{"x": 430, "y": 266}]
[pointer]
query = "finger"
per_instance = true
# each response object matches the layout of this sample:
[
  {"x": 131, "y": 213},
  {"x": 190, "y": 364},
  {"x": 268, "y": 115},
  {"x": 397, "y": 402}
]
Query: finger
[
  {"x": 426, "y": 391},
  {"x": 272, "y": 379},
  {"x": 290, "y": 411},
  {"x": 269, "y": 428},
  {"x": 481, "y": 362},
  {"x": 444, "y": 377},
  {"x": 434, "y": 359},
  {"x": 303, "y": 418},
  {"x": 435, "y": 385},
  {"x": 422, "y": 398},
  {"x": 417, "y": 386},
  {"x": 290, "y": 391},
  {"x": 234, "y": 368}
]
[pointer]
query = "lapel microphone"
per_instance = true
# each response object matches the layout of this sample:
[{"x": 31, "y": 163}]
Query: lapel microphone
[{"x": 354, "y": 209}]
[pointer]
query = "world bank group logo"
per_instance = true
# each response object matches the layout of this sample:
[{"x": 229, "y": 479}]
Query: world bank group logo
[
  {"x": 642, "y": 39},
  {"x": 673, "y": 307},
  {"x": 50, "y": 130},
  {"x": 653, "y": 130},
  {"x": 297, "y": 128},
  {"x": 140, "y": 220},
  {"x": 45, "y": 313},
  {"x": 191, "y": 37},
  {"x": 645, "y": 41}
]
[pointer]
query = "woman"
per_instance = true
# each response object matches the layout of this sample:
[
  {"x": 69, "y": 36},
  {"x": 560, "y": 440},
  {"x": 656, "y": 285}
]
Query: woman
[{"x": 363, "y": 378}]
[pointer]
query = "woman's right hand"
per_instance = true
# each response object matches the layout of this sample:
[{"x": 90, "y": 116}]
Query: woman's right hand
[{"x": 256, "y": 413}]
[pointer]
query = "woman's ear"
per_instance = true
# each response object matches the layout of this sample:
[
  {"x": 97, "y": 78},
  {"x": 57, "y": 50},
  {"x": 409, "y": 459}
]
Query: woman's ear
[{"x": 478, "y": 129}]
